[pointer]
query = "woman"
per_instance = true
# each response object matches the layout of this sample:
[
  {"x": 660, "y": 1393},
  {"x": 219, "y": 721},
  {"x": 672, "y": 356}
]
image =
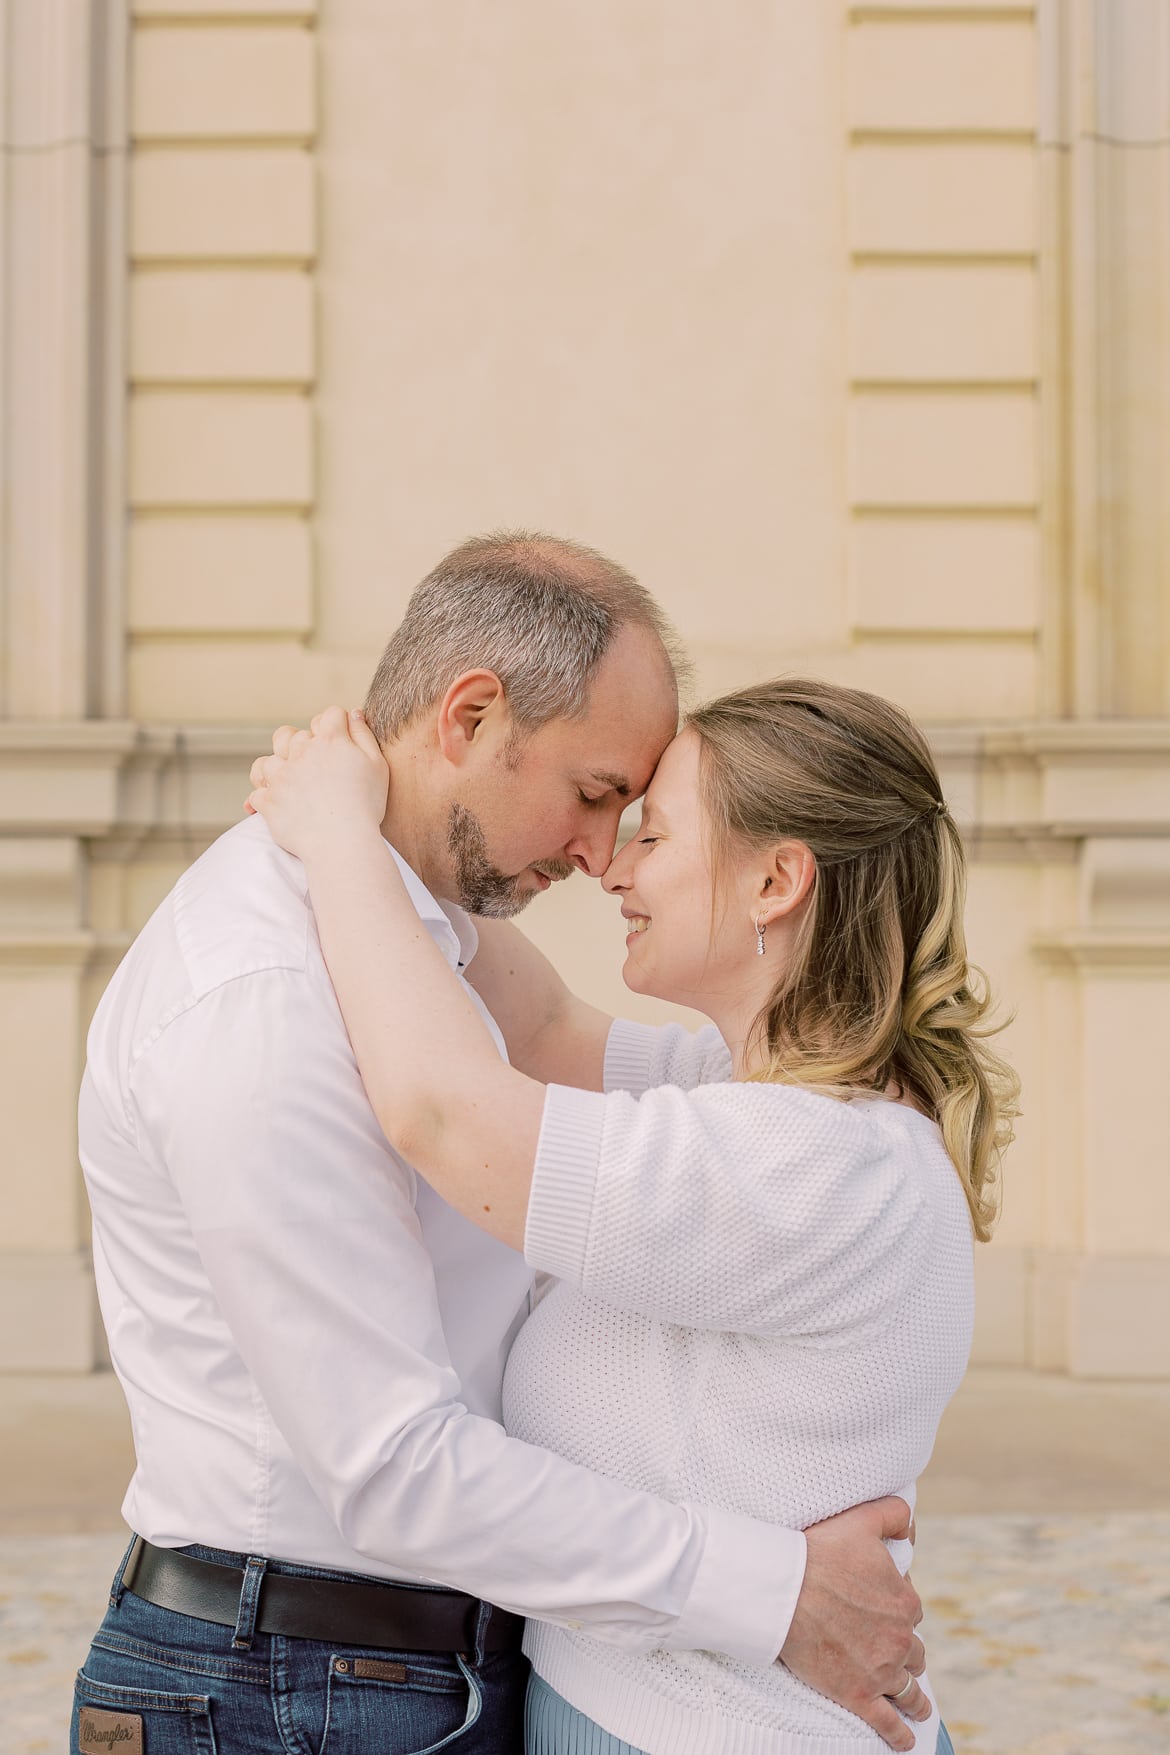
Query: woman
[{"x": 761, "y": 1234}]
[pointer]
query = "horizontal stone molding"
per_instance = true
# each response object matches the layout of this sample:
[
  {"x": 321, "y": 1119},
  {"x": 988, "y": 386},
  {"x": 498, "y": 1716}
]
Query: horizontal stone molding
[
  {"x": 1031, "y": 783},
  {"x": 118, "y": 779},
  {"x": 886, "y": 9},
  {"x": 1059, "y": 780},
  {"x": 46, "y": 950},
  {"x": 1103, "y": 952},
  {"x": 224, "y": 11}
]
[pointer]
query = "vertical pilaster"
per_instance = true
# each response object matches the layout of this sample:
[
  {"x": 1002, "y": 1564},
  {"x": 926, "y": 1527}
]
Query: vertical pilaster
[
  {"x": 62, "y": 634},
  {"x": 1105, "y": 155},
  {"x": 62, "y": 133}
]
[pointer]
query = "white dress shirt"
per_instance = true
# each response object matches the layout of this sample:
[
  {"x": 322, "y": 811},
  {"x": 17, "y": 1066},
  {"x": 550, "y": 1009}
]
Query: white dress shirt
[{"x": 311, "y": 1342}]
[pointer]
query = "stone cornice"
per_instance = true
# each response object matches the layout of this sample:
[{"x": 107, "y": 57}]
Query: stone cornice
[
  {"x": 1104, "y": 953},
  {"x": 112, "y": 779},
  {"x": 1054, "y": 781},
  {"x": 1023, "y": 787},
  {"x": 47, "y": 950},
  {"x": 1056, "y": 737}
]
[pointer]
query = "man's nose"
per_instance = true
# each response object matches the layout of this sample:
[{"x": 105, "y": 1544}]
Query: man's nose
[{"x": 592, "y": 850}]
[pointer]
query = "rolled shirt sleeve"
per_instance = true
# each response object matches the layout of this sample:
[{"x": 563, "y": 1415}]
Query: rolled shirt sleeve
[
  {"x": 305, "y": 1224},
  {"x": 640, "y": 1056}
]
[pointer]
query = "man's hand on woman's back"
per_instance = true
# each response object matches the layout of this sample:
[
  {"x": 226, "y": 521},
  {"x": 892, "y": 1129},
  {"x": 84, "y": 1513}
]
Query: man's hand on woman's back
[{"x": 852, "y": 1637}]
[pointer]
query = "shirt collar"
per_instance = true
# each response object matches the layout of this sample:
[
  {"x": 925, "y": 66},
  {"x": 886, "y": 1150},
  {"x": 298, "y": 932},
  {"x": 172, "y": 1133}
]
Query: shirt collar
[{"x": 449, "y": 925}]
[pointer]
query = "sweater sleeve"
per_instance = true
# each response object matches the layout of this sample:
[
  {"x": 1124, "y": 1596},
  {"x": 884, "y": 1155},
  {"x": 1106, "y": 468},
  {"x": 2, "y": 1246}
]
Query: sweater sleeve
[
  {"x": 640, "y": 1056},
  {"x": 756, "y": 1209}
]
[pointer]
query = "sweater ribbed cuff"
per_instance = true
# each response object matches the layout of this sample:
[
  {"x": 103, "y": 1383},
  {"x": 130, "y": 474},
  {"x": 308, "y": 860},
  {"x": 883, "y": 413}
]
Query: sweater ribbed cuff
[
  {"x": 560, "y": 1206},
  {"x": 745, "y": 1591},
  {"x": 628, "y": 1051}
]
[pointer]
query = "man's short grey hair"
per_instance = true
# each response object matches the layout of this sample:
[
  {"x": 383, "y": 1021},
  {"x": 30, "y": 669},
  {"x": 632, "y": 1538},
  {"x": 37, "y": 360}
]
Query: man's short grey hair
[{"x": 537, "y": 610}]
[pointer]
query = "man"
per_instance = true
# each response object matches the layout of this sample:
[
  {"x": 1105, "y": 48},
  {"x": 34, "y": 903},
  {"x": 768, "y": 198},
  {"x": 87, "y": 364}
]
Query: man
[{"x": 312, "y": 1344}]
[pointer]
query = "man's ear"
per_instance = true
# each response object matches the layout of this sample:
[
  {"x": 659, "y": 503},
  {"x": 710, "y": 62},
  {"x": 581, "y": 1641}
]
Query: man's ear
[
  {"x": 472, "y": 711},
  {"x": 787, "y": 883}
]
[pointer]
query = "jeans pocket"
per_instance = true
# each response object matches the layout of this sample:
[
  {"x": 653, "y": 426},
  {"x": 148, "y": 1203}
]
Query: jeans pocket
[
  {"x": 111, "y": 1719},
  {"x": 408, "y": 1702}
]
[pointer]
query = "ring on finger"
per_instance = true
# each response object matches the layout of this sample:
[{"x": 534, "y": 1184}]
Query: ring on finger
[{"x": 903, "y": 1691}]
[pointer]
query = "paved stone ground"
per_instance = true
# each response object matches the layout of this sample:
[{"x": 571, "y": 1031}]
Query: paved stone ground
[
  {"x": 1046, "y": 1636},
  {"x": 1049, "y": 1636}
]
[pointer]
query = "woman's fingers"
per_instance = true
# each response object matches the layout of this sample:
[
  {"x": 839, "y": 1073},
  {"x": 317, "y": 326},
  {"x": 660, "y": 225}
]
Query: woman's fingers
[
  {"x": 333, "y": 722},
  {"x": 281, "y": 738},
  {"x": 364, "y": 737},
  {"x": 317, "y": 779}
]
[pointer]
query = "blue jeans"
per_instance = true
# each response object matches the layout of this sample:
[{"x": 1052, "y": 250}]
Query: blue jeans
[
  {"x": 197, "y": 1693},
  {"x": 553, "y": 1727}
]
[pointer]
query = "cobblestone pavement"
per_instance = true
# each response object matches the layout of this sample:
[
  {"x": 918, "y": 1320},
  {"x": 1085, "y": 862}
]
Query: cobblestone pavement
[{"x": 1047, "y": 1636}]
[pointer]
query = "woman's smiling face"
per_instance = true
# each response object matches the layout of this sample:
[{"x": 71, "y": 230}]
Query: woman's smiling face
[{"x": 682, "y": 944}]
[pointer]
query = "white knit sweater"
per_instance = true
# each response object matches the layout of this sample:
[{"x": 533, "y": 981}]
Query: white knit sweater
[{"x": 764, "y": 1303}]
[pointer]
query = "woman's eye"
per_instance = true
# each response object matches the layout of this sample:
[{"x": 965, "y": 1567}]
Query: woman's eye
[{"x": 648, "y": 840}]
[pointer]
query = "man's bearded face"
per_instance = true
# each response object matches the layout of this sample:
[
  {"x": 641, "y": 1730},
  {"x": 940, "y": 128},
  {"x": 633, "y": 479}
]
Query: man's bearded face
[{"x": 482, "y": 888}]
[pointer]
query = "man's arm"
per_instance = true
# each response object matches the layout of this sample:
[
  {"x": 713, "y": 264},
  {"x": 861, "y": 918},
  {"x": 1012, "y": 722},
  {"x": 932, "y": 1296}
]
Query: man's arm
[
  {"x": 305, "y": 1225},
  {"x": 853, "y": 1617}
]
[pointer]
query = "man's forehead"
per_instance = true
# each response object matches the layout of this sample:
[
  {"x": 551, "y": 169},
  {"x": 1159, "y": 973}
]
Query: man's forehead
[{"x": 625, "y": 772}]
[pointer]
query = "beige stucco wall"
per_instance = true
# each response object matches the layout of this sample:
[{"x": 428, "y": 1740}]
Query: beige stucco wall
[{"x": 845, "y": 326}]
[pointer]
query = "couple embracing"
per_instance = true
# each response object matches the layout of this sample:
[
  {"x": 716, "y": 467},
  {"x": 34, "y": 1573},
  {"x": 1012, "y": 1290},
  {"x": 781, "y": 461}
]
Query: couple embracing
[{"x": 505, "y": 1376}]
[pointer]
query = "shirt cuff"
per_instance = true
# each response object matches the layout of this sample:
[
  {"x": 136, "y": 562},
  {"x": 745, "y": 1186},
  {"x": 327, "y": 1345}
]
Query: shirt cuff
[
  {"x": 564, "y": 1180},
  {"x": 745, "y": 1591},
  {"x": 629, "y": 1048}
]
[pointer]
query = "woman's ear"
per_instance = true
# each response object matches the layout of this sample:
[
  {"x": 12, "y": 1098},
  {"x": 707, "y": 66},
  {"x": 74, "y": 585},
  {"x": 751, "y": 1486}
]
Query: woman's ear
[
  {"x": 788, "y": 884},
  {"x": 473, "y": 701}
]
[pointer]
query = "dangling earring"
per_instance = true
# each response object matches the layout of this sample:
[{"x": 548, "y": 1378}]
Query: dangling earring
[{"x": 760, "y": 931}]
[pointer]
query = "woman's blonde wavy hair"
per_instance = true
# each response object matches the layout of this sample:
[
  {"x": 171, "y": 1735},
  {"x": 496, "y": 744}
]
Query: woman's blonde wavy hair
[{"x": 879, "y": 994}]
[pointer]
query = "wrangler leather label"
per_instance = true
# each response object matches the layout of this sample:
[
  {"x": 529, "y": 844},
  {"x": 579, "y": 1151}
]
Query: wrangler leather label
[
  {"x": 109, "y": 1731},
  {"x": 374, "y": 1670}
]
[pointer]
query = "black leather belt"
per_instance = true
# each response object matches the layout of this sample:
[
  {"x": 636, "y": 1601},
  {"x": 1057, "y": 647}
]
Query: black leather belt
[{"x": 338, "y": 1610}]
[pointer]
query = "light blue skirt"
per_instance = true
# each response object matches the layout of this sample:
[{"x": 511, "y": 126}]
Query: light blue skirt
[{"x": 553, "y": 1727}]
